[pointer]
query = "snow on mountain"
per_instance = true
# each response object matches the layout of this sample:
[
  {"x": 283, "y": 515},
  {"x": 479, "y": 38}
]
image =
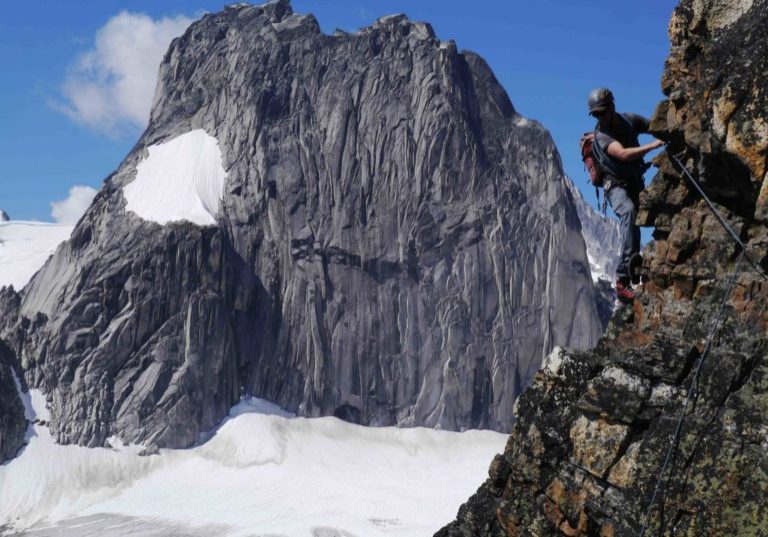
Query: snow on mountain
[
  {"x": 4, "y": 216},
  {"x": 261, "y": 472},
  {"x": 25, "y": 246},
  {"x": 182, "y": 179},
  {"x": 601, "y": 236}
]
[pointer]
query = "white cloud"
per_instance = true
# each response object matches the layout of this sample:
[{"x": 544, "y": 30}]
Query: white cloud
[
  {"x": 110, "y": 87},
  {"x": 70, "y": 210}
]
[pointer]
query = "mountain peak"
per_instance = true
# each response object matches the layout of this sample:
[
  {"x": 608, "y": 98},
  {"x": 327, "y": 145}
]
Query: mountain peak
[{"x": 373, "y": 234}]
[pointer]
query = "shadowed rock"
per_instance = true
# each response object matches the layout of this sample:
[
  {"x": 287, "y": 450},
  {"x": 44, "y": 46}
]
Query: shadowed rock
[{"x": 12, "y": 421}]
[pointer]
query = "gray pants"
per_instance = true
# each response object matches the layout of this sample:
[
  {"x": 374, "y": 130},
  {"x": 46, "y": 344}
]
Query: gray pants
[{"x": 626, "y": 210}]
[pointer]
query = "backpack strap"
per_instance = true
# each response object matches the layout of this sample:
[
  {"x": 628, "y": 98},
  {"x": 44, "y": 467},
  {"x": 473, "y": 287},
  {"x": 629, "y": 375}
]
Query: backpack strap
[{"x": 619, "y": 170}]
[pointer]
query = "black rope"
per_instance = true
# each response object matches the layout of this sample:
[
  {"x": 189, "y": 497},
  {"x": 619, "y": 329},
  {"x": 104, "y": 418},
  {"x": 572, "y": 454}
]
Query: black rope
[{"x": 688, "y": 397}]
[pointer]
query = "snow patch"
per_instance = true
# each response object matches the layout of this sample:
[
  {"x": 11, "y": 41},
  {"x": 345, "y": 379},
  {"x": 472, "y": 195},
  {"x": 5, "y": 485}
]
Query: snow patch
[
  {"x": 182, "y": 179},
  {"x": 25, "y": 247},
  {"x": 521, "y": 121},
  {"x": 261, "y": 471},
  {"x": 116, "y": 443},
  {"x": 37, "y": 406}
]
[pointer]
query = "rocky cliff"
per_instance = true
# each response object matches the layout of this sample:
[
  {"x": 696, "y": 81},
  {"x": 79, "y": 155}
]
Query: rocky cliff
[
  {"x": 12, "y": 422},
  {"x": 595, "y": 428},
  {"x": 374, "y": 233}
]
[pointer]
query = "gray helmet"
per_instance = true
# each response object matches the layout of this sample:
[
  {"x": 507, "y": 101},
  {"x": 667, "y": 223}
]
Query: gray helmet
[{"x": 599, "y": 99}]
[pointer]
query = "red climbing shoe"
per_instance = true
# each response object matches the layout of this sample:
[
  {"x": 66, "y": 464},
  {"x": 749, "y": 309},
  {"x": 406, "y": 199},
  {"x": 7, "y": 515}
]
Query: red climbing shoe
[{"x": 624, "y": 292}]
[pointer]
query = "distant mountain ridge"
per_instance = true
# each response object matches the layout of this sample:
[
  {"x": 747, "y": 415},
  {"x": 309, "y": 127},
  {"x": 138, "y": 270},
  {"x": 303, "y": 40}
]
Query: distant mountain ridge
[
  {"x": 24, "y": 248},
  {"x": 602, "y": 238}
]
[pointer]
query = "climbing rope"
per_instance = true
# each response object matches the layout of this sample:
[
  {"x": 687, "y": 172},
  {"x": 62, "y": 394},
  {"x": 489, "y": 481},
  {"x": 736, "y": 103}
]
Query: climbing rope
[{"x": 710, "y": 336}]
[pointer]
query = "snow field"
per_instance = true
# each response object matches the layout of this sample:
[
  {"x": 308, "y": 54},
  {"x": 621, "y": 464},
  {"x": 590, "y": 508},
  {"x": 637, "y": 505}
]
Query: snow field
[
  {"x": 181, "y": 179},
  {"x": 25, "y": 247},
  {"x": 262, "y": 472}
]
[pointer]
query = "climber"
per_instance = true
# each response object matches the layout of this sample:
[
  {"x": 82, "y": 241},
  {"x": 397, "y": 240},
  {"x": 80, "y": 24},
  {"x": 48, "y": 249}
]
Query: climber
[{"x": 620, "y": 156}]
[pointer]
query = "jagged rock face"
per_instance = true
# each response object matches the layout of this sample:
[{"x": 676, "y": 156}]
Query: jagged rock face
[
  {"x": 4, "y": 216},
  {"x": 718, "y": 94},
  {"x": 12, "y": 421},
  {"x": 594, "y": 429},
  {"x": 394, "y": 245}
]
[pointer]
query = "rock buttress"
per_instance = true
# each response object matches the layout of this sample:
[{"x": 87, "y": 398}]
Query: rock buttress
[
  {"x": 12, "y": 422},
  {"x": 395, "y": 245}
]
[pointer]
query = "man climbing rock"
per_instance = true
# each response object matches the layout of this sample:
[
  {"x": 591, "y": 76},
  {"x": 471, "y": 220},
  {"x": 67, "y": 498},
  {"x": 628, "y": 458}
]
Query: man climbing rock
[{"x": 620, "y": 156}]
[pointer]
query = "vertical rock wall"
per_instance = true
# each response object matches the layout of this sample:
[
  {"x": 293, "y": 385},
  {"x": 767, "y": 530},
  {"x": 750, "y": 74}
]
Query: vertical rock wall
[
  {"x": 12, "y": 422},
  {"x": 395, "y": 245}
]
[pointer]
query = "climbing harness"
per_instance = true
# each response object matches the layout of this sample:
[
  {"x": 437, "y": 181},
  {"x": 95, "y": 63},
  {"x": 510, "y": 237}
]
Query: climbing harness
[{"x": 710, "y": 336}]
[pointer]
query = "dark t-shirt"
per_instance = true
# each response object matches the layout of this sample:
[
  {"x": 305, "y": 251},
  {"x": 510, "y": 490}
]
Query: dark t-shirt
[{"x": 630, "y": 125}]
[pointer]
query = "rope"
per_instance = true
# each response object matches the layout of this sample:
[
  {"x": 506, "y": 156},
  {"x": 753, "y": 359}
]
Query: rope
[
  {"x": 710, "y": 336},
  {"x": 688, "y": 397}
]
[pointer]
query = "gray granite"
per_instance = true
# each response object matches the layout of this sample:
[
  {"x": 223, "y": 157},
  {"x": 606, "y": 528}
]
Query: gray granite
[
  {"x": 395, "y": 245},
  {"x": 12, "y": 421}
]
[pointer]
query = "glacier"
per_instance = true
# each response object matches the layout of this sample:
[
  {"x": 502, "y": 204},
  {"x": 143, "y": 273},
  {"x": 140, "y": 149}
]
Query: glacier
[{"x": 262, "y": 472}]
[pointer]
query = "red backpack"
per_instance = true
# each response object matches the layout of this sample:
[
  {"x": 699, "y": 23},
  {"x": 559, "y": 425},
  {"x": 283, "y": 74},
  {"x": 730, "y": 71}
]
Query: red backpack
[{"x": 596, "y": 173}]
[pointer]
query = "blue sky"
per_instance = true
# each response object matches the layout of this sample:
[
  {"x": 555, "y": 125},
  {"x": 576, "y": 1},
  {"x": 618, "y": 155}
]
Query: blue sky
[{"x": 547, "y": 54}]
